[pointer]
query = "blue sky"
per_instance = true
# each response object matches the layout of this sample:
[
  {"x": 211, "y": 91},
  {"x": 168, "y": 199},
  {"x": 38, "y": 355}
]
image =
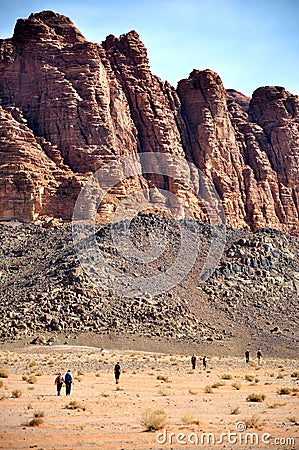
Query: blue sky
[{"x": 249, "y": 43}]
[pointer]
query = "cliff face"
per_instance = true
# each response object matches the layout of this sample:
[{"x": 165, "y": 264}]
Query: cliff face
[{"x": 68, "y": 107}]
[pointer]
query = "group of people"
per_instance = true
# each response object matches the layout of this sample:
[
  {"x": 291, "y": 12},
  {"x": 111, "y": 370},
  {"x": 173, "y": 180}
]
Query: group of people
[
  {"x": 67, "y": 380},
  {"x": 258, "y": 355},
  {"x": 204, "y": 359},
  {"x": 194, "y": 360}
]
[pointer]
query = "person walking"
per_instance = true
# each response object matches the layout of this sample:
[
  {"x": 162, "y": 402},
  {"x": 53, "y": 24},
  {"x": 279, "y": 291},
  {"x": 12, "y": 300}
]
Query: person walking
[
  {"x": 247, "y": 356},
  {"x": 117, "y": 371},
  {"x": 259, "y": 356},
  {"x": 68, "y": 379},
  {"x": 204, "y": 362},
  {"x": 193, "y": 361},
  {"x": 59, "y": 382}
]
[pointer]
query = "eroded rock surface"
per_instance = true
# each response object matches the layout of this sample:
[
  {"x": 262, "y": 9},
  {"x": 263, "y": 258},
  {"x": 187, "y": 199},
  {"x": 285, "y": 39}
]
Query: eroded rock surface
[{"x": 69, "y": 106}]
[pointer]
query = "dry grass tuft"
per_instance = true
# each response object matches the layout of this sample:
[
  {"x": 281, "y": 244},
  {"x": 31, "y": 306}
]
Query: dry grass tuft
[
  {"x": 227, "y": 376},
  {"x": 255, "y": 397},
  {"x": 284, "y": 391},
  {"x": 3, "y": 372},
  {"x": 153, "y": 419},
  {"x": 254, "y": 421},
  {"x": 35, "y": 422},
  {"x": 16, "y": 393},
  {"x": 31, "y": 379},
  {"x": 193, "y": 392},
  {"x": 249, "y": 377},
  {"x": 208, "y": 390},
  {"x": 74, "y": 404},
  {"x": 189, "y": 419},
  {"x": 163, "y": 378}
]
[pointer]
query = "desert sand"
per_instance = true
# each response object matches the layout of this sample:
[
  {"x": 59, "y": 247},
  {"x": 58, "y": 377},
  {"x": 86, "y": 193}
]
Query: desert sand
[{"x": 109, "y": 416}]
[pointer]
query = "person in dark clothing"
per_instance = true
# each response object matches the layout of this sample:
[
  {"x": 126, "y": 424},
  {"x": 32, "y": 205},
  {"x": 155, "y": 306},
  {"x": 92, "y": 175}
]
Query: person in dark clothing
[
  {"x": 247, "y": 356},
  {"x": 68, "y": 379},
  {"x": 259, "y": 356},
  {"x": 193, "y": 361},
  {"x": 117, "y": 371},
  {"x": 59, "y": 382},
  {"x": 204, "y": 362}
]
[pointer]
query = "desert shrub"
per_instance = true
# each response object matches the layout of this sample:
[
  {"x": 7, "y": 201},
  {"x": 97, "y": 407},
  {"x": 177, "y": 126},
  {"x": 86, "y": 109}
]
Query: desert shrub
[
  {"x": 39, "y": 414},
  {"x": 80, "y": 373},
  {"x": 293, "y": 420},
  {"x": 217, "y": 385},
  {"x": 163, "y": 378},
  {"x": 280, "y": 376},
  {"x": 3, "y": 372},
  {"x": 227, "y": 376},
  {"x": 295, "y": 374},
  {"x": 16, "y": 393},
  {"x": 276, "y": 405},
  {"x": 237, "y": 386},
  {"x": 253, "y": 422},
  {"x": 235, "y": 411},
  {"x": 249, "y": 377},
  {"x": 31, "y": 379},
  {"x": 284, "y": 391},
  {"x": 255, "y": 397},
  {"x": 193, "y": 391},
  {"x": 153, "y": 419},
  {"x": 35, "y": 422},
  {"x": 208, "y": 390},
  {"x": 163, "y": 392},
  {"x": 74, "y": 404},
  {"x": 1, "y": 383},
  {"x": 24, "y": 377},
  {"x": 189, "y": 419},
  {"x": 32, "y": 364}
]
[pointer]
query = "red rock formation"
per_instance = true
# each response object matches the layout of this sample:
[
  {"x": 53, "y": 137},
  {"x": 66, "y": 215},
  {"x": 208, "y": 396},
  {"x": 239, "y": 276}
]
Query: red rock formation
[
  {"x": 34, "y": 181},
  {"x": 70, "y": 106}
]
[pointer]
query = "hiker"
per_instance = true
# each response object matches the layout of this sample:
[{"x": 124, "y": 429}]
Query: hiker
[
  {"x": 204, "y": 362},
  {"x": 193, "y": 361},
  {"x": 59, "y": 382},
  {"x": 259, "y": 356},
  {"x": 68, "y": 379},
  {"x": 117, "y": 371},
  {"x": 247, "y": 356}
]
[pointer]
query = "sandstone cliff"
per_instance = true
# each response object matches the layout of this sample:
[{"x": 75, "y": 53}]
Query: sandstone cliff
[{"x": 68, "y": 107}]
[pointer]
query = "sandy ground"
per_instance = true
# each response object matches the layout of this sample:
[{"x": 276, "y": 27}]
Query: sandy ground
[{"x": 109, "y": 416}]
